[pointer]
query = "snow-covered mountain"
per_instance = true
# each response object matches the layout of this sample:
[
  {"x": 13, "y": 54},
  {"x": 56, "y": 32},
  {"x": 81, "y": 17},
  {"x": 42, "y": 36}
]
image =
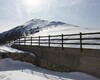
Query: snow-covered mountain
[{"x": 30, "y": 27}]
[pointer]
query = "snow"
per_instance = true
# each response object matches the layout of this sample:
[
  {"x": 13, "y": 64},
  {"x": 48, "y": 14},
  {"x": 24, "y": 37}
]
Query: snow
[
  {"x": 15, "y": 75},
  {"x": 64, "y": 29},
  {"x": 34, "y": 23},
  {"x": 9, "y": 49},
  {"x": 6, "y": 48},
  {"x": 17, "y": 70}
]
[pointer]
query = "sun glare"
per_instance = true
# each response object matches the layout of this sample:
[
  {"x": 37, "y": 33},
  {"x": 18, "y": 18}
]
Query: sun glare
[{"x": 33, "y": 3}]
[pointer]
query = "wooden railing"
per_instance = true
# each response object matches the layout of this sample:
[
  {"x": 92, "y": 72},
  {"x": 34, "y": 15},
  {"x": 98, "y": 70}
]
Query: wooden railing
[{"x": 62, "y": 40}]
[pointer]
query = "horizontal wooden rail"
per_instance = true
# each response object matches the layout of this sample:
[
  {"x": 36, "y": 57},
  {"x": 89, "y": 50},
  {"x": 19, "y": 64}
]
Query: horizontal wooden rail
[
  {"x": 63, "y": 43},
  {"x": 63, "y": 39},
  {"x": 93, "y": 33}
]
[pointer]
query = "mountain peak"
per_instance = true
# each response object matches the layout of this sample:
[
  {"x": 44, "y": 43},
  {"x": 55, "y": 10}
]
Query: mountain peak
[{"x": 30, "y": 27}]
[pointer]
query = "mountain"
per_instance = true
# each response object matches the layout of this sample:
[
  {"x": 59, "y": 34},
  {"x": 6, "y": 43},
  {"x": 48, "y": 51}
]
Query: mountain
[{"x": 30, "y": 27}]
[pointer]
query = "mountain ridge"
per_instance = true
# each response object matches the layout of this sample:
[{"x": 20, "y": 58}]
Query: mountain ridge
[{"x": 29, "y": 27}]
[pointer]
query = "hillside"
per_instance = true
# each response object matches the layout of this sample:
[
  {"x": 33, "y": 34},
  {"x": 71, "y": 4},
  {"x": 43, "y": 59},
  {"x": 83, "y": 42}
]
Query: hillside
[
  {"x": 30, "y": 27},
  {"x": 40, "y": 27}
]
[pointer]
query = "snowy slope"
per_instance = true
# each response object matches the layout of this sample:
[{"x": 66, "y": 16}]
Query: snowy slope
[
  {"x": 64, "y": 29},
  {"x": 17, "y": 70},
  {"x": 29, "y": 27},
  {"x": 8, "y": 49},
  {"x": 67, "y": 29}
]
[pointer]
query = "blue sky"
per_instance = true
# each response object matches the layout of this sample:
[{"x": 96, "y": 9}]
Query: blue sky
[{"x": 84, "y": 13}]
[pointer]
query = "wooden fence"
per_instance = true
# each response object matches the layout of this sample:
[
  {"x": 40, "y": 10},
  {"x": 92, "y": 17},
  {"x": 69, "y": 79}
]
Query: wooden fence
[{"x": 62, "y": 40}]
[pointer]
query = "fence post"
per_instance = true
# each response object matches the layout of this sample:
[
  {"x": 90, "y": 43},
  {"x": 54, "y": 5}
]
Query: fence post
[
  {"x": 31, "y": 41},
  {"x": 9, "y": 42},
  {"x": 19, "y": 41},
  {"x": 14, "y": 40},
  {"x": 62, "y": 42},
  {"x": 24, "y": 40},
  {"x": 49, "y": 41},
  {"x": 81, "y": 42},
  {"x": 39, "y": 41}
]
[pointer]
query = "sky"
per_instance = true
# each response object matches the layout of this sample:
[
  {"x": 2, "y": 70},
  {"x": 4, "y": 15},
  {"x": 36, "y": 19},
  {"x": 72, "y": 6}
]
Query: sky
[{"x": 84, "y": 13}]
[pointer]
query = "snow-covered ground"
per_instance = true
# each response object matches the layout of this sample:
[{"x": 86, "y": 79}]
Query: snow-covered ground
[
  {"x": 8, "y": 49},
  {"x": 16, "y": 75},
  {"x": 17, "y": 70}
]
